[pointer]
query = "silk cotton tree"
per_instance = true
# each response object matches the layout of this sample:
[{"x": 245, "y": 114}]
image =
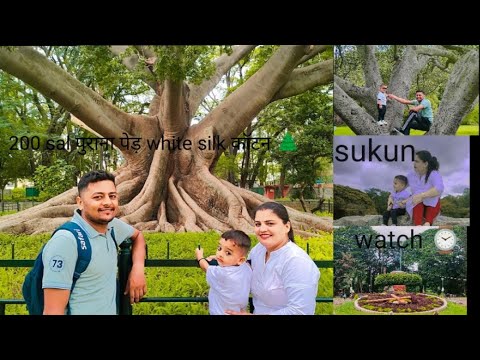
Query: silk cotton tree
[
  {"x": 452, "y": 71},
  {"x": 173, "y": 190}
]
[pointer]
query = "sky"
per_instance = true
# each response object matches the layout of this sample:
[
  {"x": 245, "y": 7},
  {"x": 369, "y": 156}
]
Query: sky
[{"x": 452, "y": 152}]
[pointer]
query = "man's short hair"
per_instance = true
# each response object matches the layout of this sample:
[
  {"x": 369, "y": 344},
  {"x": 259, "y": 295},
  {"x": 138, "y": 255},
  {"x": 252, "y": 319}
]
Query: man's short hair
[
  {"x": 239, "y": 238},
  {"x": 93, "y": 177},
  {"x": 423, "y": 92}
]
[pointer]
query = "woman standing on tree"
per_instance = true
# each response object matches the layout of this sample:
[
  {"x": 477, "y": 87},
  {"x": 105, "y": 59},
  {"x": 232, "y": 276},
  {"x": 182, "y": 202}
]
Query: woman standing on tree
[
  {"x": 426, "y": 184},
  {"x": 285, "y": 278}
]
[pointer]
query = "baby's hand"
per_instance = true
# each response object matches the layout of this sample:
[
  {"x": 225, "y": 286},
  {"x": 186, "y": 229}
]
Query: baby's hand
[
  {"x": 416, "y": 199},
  {"x": 199, "y": 253}
]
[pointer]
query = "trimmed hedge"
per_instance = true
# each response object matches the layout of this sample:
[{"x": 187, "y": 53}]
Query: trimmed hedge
[{"x": 398, "y": 279}]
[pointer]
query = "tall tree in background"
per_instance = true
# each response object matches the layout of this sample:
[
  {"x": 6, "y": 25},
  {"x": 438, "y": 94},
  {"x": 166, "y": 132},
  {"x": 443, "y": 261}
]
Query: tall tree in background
[
  {"x": 432, "y": 266},
  {"x": 13, "y": 164},
  {"x": 26, "y": 112},
  {"x": 360, "y": 265},
  {"x": 164, "y": 189},
  {"x": 449, "y": 70},
  {"x": 310, "y": 124}
]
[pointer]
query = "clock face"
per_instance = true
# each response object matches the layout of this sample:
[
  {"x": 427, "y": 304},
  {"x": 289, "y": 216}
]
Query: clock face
[{"x": 445, "y": 239}]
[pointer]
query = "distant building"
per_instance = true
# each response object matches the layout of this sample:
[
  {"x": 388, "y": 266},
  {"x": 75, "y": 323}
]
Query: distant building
[{"x": 271, "y": 190}]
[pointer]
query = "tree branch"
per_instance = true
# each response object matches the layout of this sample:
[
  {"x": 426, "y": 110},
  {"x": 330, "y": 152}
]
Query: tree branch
[
  {"x": 132, "y": 61},
  {"x": 437, "y": 51},
  {"x": 174, "y": 119},
  {"x": 353, "y": 115},
  {"x": 370, "y": 66},
  {"x": 223, "y": 64},
  {"x": 405, "y": 71},
  {"x": 145, "y": 51},
  {"x": 403, "y": 75},
  {"x": 365, "y": 97},
  {"x": 437, "y": 64},
  {"x": 39, "y": 107},
  {"x": 234, "y": 113},
  {"x": 306, "y": 78},
  {"x": 475, "y": 102},
  {"x": 460, "y": 92},
  {"x": 461, "y": 49},
  {"x": 315, "y": 49},
  {"x": 49, "y": 79},
  {"x": 80, "y": 123}
]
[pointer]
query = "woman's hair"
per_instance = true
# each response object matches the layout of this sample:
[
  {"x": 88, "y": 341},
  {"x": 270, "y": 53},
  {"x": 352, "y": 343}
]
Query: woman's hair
[
  {"x": 280, "y": 211},
  {"x": 432, "y": 161}
]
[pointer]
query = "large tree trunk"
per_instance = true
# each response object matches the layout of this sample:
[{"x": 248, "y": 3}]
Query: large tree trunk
[
  {"x": 166, "y": 189},
  {"x": 460, "y": 93},
  {"x": 356, "y": 105}
]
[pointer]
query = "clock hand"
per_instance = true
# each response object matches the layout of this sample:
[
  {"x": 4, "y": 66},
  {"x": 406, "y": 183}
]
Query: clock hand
[{"x": 446, "y": 238}]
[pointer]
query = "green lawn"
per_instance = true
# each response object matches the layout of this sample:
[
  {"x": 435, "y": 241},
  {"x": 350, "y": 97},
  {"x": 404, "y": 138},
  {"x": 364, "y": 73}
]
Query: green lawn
[
  {"x": 462, "y": 130},
  {"x": 347, "y": 308},
  {"x": 454, "y": 309},
  {"x": 9, "y": 212}
]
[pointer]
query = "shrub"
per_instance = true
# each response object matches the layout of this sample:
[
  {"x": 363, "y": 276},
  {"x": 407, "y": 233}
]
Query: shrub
[{"x": 398, "y": 279}]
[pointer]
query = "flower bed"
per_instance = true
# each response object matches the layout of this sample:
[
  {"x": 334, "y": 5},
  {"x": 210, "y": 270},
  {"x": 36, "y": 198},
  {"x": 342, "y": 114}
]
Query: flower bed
[{"x": 400, "y": 303}]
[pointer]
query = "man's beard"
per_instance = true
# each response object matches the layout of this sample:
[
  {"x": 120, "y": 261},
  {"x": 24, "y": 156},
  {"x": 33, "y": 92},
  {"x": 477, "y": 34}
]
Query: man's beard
[{"x": 99, "y": 220}]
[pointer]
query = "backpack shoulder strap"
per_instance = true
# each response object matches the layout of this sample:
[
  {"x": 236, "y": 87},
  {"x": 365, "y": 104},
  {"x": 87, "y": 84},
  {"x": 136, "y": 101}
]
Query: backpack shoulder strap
[
  {"x": 84, "y": 248},
  {"x": 112, "y": 232}
]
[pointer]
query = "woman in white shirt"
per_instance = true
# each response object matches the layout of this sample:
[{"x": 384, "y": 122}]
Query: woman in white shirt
[{"x": 285, "y": 278}]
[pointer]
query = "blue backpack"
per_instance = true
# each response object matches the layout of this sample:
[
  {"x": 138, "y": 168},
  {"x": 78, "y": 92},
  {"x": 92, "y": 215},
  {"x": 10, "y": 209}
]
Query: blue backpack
[{"x": 32, "y": 286}]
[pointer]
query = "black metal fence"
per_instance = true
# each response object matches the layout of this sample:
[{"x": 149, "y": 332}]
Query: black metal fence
[
  {"x": 326, "y": 206},
  {"x": 17, "y": 205},
  {"x": 124, "y": 267}
]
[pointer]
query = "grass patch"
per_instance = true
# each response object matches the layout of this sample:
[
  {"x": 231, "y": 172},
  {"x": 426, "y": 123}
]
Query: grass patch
[
  {"x": 347, "y": 308},
  {"x": 343, "y": 131},
  {"x": 454, "y": 309},
  {"x": 463, "y": 130},
  {"x": 324, "y": 214},
  {"x": 8, "y": 212},
  {"x": 467, "y": 130}
]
